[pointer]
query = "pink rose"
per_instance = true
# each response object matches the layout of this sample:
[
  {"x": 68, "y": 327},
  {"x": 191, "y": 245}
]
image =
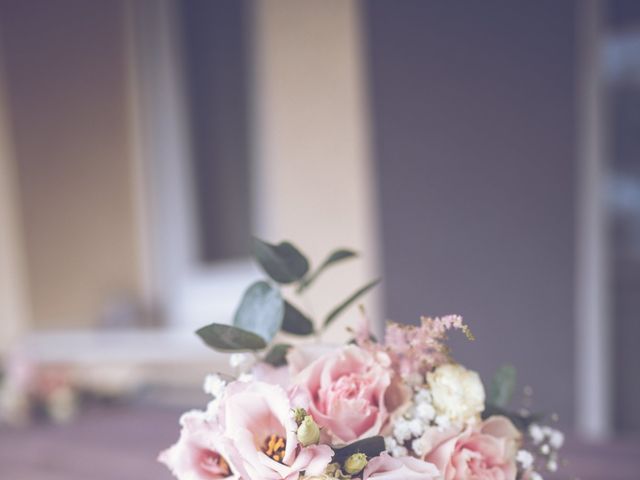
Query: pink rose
[
  {"x": 486, "y": 452},
  {"x": 299, "y": 358},
  {"x": 385, "y": 467},
  {"x": 259, "y": 435},
  {"x": 196, "y": 455},
  {"x": 346, "y": 392}
]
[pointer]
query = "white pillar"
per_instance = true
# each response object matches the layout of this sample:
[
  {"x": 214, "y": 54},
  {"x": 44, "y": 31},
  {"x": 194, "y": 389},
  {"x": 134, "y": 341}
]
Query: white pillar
[{"x": 593, "y": 320}]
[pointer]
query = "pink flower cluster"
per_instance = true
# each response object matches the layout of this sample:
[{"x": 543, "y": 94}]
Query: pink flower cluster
[
  {"x": 251, "y": 431},
  {"x": 415, "y": 349}
]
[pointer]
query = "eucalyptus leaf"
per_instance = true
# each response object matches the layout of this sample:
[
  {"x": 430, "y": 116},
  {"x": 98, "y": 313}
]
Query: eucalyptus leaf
[
  {"x": 227, "y": 338},
  {"x": 277, "y": 356},
  {"x": 502, "y": 386},
  {"x": 296, "y": 322},
  {"x": 284, "y": 263},
  {"x": 334, "y": 257},
  {"x": 261, "y": 310},
  {"x": 371, "y": 447},
  {"x": 344, "y": 305}
]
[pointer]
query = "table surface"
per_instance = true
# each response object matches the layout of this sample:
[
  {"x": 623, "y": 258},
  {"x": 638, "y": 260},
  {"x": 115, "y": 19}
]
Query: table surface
[{"x": 121, "y": 442}]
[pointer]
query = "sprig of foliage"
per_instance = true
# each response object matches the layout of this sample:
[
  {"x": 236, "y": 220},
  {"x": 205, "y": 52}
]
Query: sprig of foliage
[{"x": 263, "y": 311}]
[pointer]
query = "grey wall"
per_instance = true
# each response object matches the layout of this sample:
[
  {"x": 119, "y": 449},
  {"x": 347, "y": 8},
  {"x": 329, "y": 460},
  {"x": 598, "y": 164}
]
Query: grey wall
[{"x": 473, "y": 107}]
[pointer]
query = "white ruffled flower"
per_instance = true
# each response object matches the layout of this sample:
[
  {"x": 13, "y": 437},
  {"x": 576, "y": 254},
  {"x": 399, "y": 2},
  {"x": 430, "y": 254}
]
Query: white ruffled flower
[{"x": 457, "y": 392}]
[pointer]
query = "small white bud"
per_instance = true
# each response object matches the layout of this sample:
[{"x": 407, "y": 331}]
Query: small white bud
[{"x": 308, "y": 432}]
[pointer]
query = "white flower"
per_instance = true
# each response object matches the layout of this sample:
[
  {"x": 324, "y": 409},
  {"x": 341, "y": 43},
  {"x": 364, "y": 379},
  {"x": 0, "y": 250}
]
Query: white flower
[
  {"x": 552, "y": 465},
  {"x": 425, "y": 412},
  {"x": 399, "y": 451},
  {"x": 442, "y": 422},
  {"x": 416, "y": 427},
  {"x": 390, "y": 443},
  {"x": 422, "y": 396},
  {"x": 212, "y": 408},
  {"x": 241, "y": 360},
  {"x": 556, "y": 439},
  {"x": 544, "y": 449},
  {"x": 457, "y": 392},
  {"x": 419, "y": 446},
  {"x": 402, "y": 430},
  {"x": 214, "y": 385},
  {"x": 536, "y": 433},
  {"x": 245, "y": 378},
  {"x": 524, "y": 458},
  {"x": 535, "y": 476}
]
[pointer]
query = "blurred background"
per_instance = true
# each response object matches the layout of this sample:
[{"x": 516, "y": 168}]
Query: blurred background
[{"x": 484, "y": 158}]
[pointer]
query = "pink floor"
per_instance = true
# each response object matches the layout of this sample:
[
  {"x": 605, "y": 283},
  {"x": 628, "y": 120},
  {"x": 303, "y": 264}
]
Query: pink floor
[{"x": 121, "y": 443}]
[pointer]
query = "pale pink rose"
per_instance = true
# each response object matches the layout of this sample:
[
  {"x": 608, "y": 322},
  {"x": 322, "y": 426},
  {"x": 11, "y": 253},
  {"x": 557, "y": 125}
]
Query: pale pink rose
[
  {"x": 386, "y": 467},
  {"x": 259, "y": 435},
  {"x": 346, "y": 391},
  {"x": 486, "y": 452},
  {"x": 196, "y": 455},
  {"x": 299, "y": 358}
]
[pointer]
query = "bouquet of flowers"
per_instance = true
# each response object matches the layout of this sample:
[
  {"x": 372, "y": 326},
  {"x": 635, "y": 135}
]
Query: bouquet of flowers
[{"x": 392, "y": 409}]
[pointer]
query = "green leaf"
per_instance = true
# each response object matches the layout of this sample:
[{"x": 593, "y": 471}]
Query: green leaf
[
  {"x": 227, "y": 338},
  {"x": 334, "y": 257},
  {"x": 261, "y": 310},
  {"x": 284, "y": 263},
  {"x": 296, "y": 322},
  {"x": 344, "y": 305},
  {"x": 277, "y": 356},
  {"x": 371, "y": 447},
  {"x": 502, "y": 386}
]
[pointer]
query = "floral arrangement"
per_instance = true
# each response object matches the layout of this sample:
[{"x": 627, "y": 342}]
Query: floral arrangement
[{"x": 395, "y": 409}]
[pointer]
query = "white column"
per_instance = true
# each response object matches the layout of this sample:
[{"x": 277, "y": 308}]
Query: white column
[
  {"x": 314, "y": 176},
  {"x": 593, "y": 320}
]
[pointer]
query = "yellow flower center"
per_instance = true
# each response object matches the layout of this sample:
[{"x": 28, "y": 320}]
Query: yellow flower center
[{"x": 274, "y": 447}]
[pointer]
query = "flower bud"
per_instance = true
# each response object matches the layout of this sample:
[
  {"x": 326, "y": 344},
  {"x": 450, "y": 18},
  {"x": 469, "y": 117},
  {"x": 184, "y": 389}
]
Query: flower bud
[
  {"x": 308, "y": 432},
  {"x": 355, "y": 463},
  {"x": 298, "y": 415}
]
